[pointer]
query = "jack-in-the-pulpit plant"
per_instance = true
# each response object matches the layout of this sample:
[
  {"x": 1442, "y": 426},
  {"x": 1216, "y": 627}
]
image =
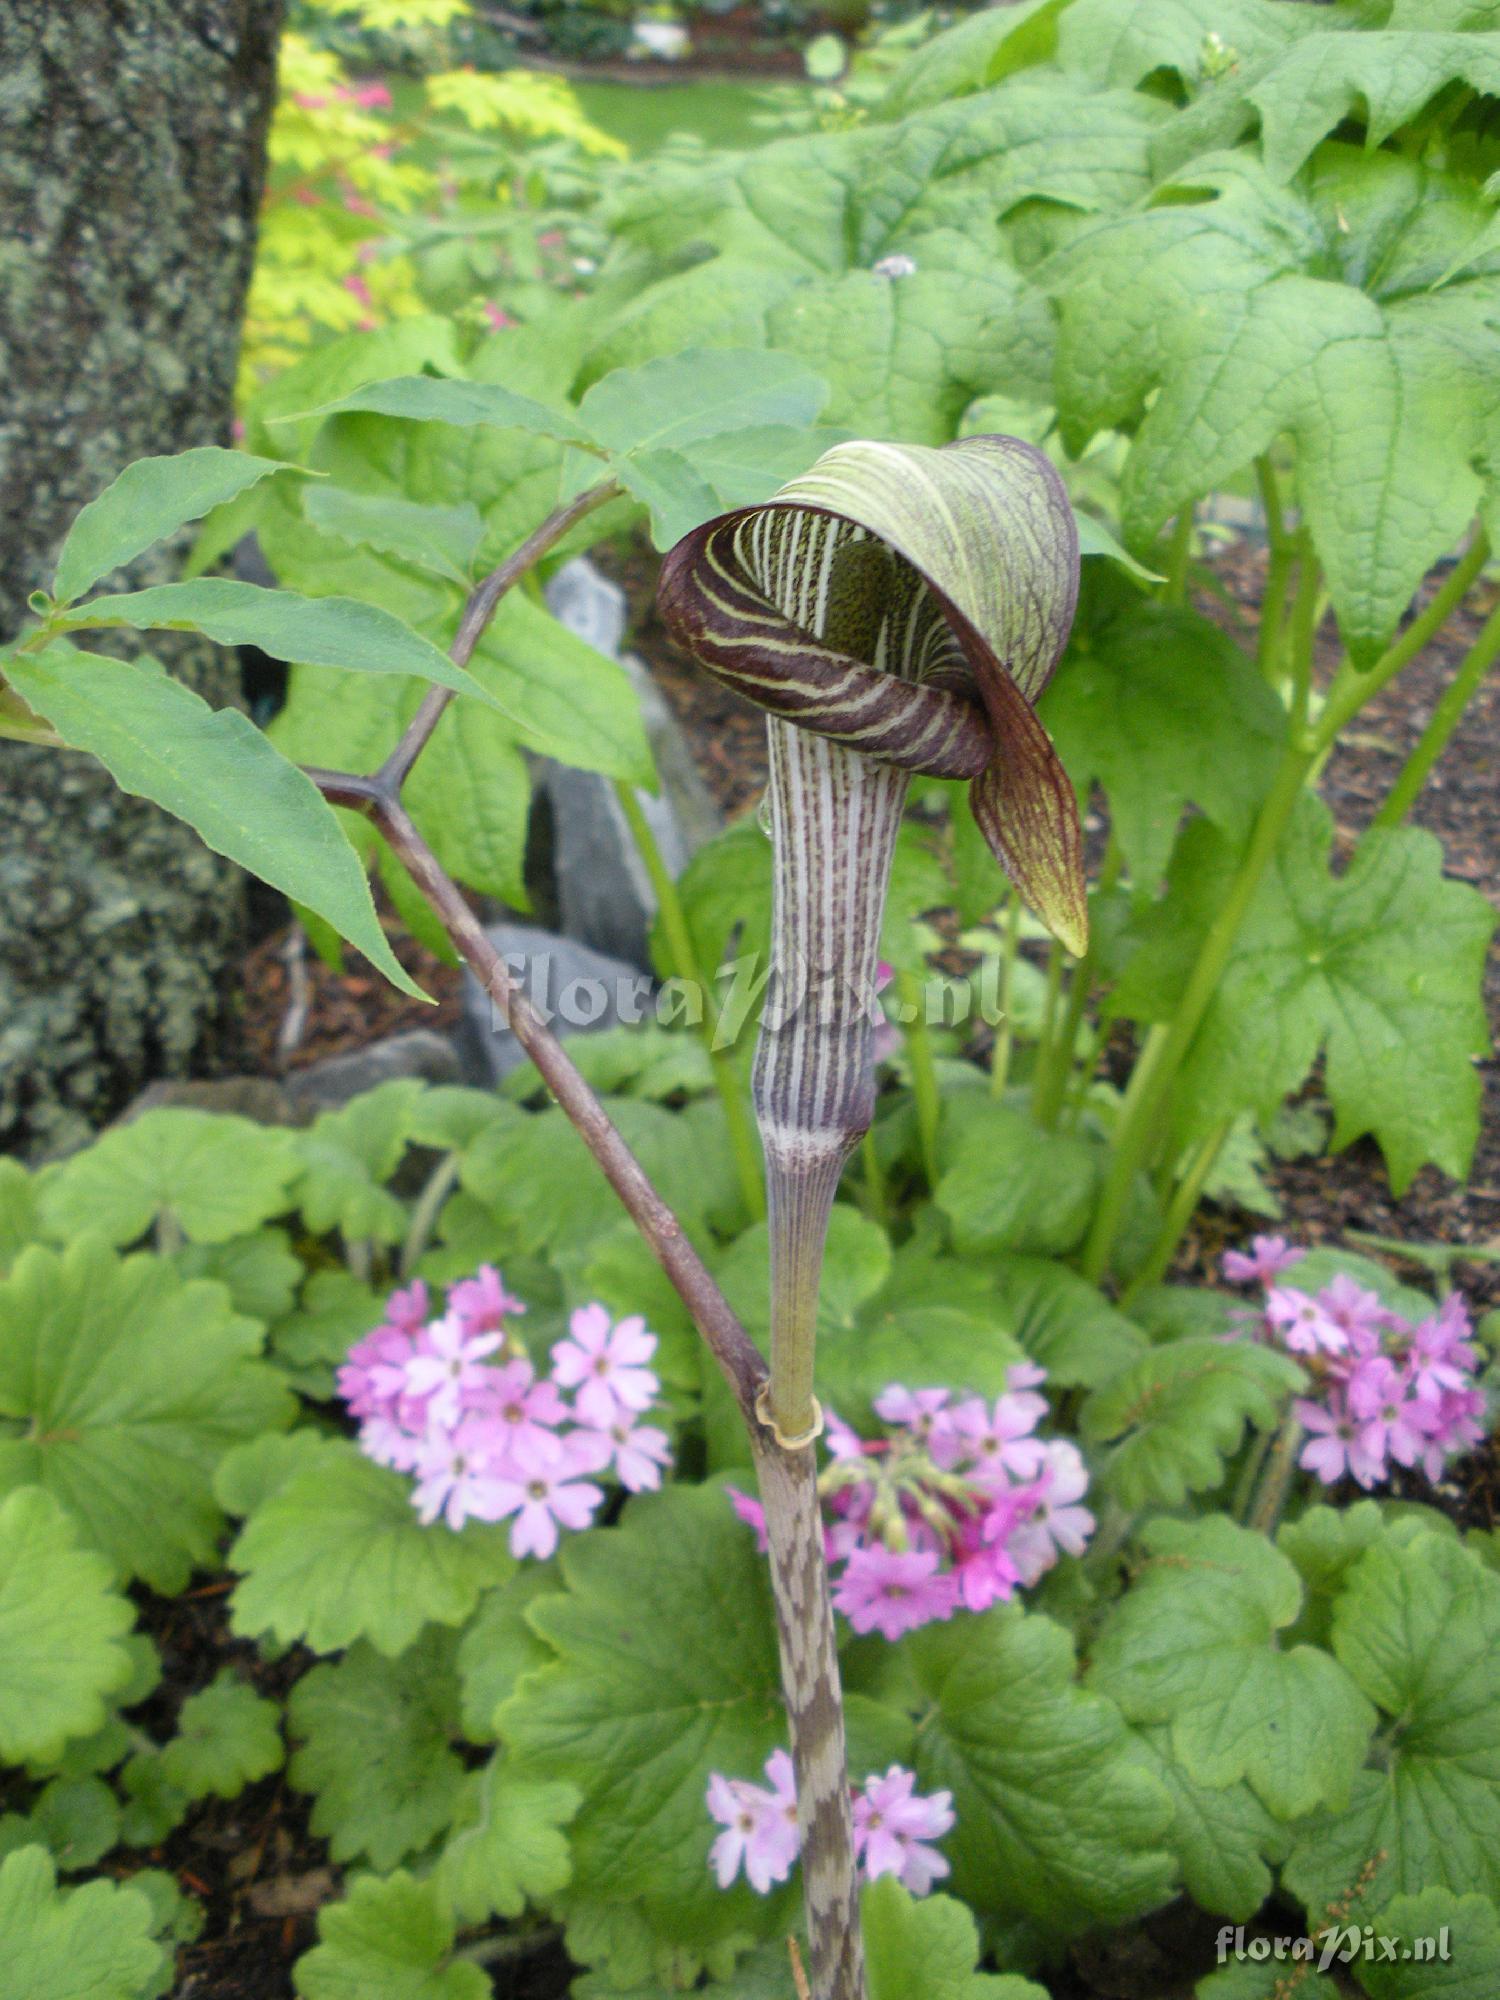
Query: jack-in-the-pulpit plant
[{"x": 894, "y": 609}]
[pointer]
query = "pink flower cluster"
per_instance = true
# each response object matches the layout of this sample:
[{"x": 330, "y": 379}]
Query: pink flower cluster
[
  {"x": 892, "y": 1828},
  {"x": 453, "y": 1399},
  {"x": 954, "y": 1507},
  {"x": 1390, "y": 1391}
]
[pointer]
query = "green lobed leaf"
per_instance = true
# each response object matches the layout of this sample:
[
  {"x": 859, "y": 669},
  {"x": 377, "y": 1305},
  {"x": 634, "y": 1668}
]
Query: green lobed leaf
[
  {"x": 20, "y": 1218},
  {"x": 1009, "y": 1185},
  {"x": 665, "y": 1672},
  {"x": 498, "y": 1646},
  {"x": 76, "y": 1819},
  {"x": 1378, "y": 967},
  {"x": 150, "y": 499},
  {"x": 927, "y": 1947},
  {"x": 92, "y": 1943},
  {"x": 704, "y": 392},
  {"x": 124, "y": 1387},
  {"x": 1222, "y": 1836},
  {"x": 1214, "y": 326},
  {"x": 1066, "y": 1324},
  {"x": 347, "y": 1156},
  {"x": 1385, "y": 78},
  {"x": 213, "y": 768},
  {"x": 391, "y": 1939},
  {"x": 1468, "y": 1926},
  {"x": 376, "y": 1749},
  {"x": 1193, "y": 1644},
  {"x": 1417, "y": 1626},
  {"x": 259, "y": 1271},
  {"x": 227, "y": 1737},
  {"x": 61, "y": 1625},
  {"x": 1057, "y": 1821},
  {"x": 508, "y": 1847},
  {"x": 975, "y": 53},
  {"x": 1171, "y": 1419},
  {"x": 1165, "y": 711},
  {"x": 214, "y": 1177},
  {"x": 336, "y": 1553}
]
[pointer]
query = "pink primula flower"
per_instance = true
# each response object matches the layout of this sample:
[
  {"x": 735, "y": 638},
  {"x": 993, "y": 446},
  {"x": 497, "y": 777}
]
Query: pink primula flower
[
  {"x": 893, "y": 1828},
  {"x": 606, "y": 1365}
]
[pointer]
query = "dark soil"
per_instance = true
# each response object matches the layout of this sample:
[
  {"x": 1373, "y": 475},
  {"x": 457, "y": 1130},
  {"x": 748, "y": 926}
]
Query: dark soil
[{"x": 254, "y": 1863}]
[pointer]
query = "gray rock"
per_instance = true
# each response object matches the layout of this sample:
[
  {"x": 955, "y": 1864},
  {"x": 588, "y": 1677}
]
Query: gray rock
[
  {"x": 573, "y": 988},
  {"x": 323, "y": 1086},
  {"x": 602, "y": 891}
]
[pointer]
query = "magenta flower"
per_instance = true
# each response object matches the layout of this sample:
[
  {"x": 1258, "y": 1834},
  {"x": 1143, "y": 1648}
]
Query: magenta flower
[
  {"x": 1357, "y": 1310},
  {"x": 892, "y": 1827},
  {"x": 920, "y": 1411},
  {"x": 409, "y": 1310},
  {"x": 605, "y": 1364},
  {"x": 483, "y": 1301},
  {"x": 1269, "y": 1257},
  {"x": 1336, "y": 1446},
  {"x": 892, "y": 1591},
  {"x": 999, "y": 1441},
  {"x": 751, "y": 1513}
]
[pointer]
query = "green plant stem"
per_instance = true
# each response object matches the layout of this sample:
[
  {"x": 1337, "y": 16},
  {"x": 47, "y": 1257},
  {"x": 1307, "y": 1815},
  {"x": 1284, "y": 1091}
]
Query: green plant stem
[
  {"x": 924, "y": 1082},
  {"x": 1004, "y": 1031},
  {"x": 1281, "y": 1465},
  {"x": 1445, "y": 718},
  {"x": 877, "y": 1196},
  {"x": 1244, "y": 1486},
  {"x": 732, "y": 1095},
  {"x": 1046, "y": 1049},
  {"x": 440, "y": 1184},
  {"x": 1185, "y": 1197},
  {"x": 1169, "y": 1043},
  {"x": 1179, "y": 552},
  {"x": 1052, "y": 1087},
  {"x": 1302, "y": 632},
  {"x": 1278, "y": 572}
]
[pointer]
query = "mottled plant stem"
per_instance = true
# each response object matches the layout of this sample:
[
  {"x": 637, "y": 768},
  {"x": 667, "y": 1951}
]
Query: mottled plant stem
[
  {"x": 787, "y": 1476},
  {"x": 815, "y": 1710}
]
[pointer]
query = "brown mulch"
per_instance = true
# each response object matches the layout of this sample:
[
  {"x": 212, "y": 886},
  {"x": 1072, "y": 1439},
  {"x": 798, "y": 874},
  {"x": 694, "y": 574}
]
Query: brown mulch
[{"x": 295, "y": 1010}]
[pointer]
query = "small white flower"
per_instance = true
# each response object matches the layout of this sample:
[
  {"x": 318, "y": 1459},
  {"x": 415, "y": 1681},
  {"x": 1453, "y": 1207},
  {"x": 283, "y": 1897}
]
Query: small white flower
[{"x": 897, "y": 266}]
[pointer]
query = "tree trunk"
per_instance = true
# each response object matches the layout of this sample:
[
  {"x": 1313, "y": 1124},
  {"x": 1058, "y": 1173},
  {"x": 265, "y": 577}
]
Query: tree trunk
[{"x": 132, "y": 151}]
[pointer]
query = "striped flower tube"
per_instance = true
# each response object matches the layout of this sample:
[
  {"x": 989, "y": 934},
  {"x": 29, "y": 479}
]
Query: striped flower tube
[{"x": 895, "y": 609}]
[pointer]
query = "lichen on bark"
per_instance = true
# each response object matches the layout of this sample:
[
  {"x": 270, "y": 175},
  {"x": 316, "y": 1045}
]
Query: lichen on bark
[{"x": 132, "y": 149}]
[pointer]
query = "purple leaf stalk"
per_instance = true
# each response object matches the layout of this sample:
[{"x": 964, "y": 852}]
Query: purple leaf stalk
[{"x": 895, "y": 609}]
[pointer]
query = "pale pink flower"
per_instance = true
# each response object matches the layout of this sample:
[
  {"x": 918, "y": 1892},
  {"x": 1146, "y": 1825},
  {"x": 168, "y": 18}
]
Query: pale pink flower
[
  {"x": 999, "y": 1441},
  {"x": 448, "y": 1367},
  {"x": 892, "y": 1591},
  {"x": 408, "y": 1310},
  {"x": 637, "y": 1452},
  {"x": 1334, "y": 1448},
  {"x": 892, "y": 1827},
  {"x": 1391, "y": 1423},
  {"x": 455, "y": 1478},
  {"x": 544, "y": 1499},
  {"x": 760, "y": 1826},
  {"x": 1303, "y": 1325},
  {"x": 526, "y": 1412},
  {"x": 1356, "y": 1309},
  {"x": 1055, "y": 1525},
  {"x": 604, "y": 1363},
  {"x": 1269, "y": 1257}
]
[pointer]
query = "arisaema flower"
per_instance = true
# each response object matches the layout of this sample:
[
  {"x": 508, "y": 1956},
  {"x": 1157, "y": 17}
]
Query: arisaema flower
[{"x": 909, "y": 604}]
